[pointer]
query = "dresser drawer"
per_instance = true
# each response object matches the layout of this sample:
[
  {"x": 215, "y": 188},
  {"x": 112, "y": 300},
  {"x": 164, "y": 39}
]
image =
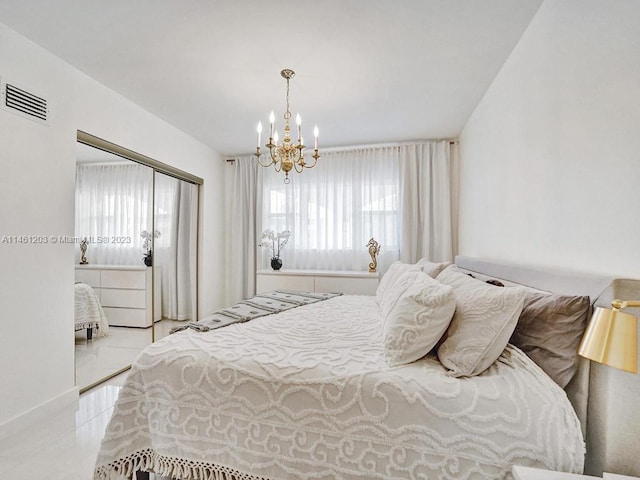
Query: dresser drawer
[
  {"x": 268, "y": 283},
  {"x": 347, "y": 285},
  {"x": 90, "y": 277},
  {"x": 126, "y": 317},
  {"x": 115, "y": 297},
  {"x": 335, "y": 281},
  {"x": 123, "y": 279}
]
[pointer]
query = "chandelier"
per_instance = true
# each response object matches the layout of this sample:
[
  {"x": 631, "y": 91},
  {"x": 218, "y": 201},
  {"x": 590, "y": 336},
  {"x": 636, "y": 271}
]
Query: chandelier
[{"x": 287, "y": 155}]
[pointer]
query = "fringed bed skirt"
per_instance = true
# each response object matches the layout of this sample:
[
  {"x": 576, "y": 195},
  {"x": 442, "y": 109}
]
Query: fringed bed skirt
[{"x": 150, "y": 461}]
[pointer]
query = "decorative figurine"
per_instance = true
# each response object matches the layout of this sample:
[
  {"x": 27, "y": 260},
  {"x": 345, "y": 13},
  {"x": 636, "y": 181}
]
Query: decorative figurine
[
  {"x": 374, "y": 249},
  {"x": 83, "y": 251}
]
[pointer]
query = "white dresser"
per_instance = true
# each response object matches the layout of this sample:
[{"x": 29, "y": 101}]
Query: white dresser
[
  {"x": 349, "y": 282},
  {"x": 124, "y": 292}
]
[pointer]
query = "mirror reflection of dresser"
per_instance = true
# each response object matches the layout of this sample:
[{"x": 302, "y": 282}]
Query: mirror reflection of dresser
[{"x": 125, "y": 292}]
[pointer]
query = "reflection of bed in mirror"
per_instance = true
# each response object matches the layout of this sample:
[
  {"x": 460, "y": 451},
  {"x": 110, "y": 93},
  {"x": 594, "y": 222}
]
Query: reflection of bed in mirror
[
  {"x": 124, "y": 295},
  {"x": 89, "y": 314}
]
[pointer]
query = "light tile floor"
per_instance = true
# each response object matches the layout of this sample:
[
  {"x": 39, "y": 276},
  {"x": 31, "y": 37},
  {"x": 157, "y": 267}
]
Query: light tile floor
[
  {"x": 101, "y": 357},
  {"x": 64, "y": 447}
]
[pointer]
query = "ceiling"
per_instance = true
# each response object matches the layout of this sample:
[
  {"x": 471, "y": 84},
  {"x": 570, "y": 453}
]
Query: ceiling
[{"x": 367, "y": 72}]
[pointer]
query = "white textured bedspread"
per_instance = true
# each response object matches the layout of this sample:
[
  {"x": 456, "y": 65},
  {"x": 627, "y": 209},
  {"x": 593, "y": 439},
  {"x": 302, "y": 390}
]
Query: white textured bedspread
[
  {"x": 88, "y": 312},
  {"x": 307, "y": 394}
]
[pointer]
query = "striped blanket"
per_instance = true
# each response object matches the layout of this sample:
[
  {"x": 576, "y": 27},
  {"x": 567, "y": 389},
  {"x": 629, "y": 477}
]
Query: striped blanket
[{"x": 258, "y": 306}]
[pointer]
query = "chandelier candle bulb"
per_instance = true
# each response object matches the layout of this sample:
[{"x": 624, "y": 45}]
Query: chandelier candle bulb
[
  {"x": 272, "y": 119},
  {"x": 315, "y": 137},
  {"x": 259, "y": 132},
  {"x": 298, "y": 123}
]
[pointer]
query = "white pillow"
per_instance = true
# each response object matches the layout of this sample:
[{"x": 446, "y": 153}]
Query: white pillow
[
  {"x": 391, "y": 275},
  {"x": 432, "y": 269},
  {"x": 482, "y": 325},
  {"x": 418, "y": 320}
]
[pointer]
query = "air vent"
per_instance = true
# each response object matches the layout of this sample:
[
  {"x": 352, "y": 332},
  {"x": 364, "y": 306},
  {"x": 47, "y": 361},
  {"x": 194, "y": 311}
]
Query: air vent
[{"x": 23, "y": 103}]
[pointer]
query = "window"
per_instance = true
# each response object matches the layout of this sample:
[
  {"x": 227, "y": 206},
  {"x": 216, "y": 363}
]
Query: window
[
  {"x": 113, "y": 207},
  {"x": 334, "y": 209}
]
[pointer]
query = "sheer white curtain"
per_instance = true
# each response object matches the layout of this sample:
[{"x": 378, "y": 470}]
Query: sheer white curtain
[
  {"x": 399, "y": 194},
  {"x": 175, "y": 248},
  {"x": 242, "y": 239},
  {"x": 334, "y": 209},
  {"x": 426, "y": 225},
  {"x": 113, "y": 207}
]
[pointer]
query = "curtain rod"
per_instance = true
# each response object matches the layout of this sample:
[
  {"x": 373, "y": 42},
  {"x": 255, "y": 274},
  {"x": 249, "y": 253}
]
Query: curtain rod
[
  {"x": 371, "y": 145},
  {"x": 106, "y": 163}
]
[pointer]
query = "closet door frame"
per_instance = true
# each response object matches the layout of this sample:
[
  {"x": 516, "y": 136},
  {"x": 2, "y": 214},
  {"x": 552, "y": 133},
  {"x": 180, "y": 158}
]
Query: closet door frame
[{"x": 158, "y": 167}]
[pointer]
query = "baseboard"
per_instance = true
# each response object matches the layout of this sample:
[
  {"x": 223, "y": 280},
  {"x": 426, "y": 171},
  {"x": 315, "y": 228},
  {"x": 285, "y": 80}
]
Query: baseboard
[{"x": 39, "y": 413}]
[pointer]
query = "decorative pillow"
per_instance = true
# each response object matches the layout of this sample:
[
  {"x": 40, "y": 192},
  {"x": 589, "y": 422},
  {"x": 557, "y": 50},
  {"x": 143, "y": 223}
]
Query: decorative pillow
[
  {"x": 400, "y": 285},
  {"x": 418, "y": 320},
  {"x": 391, "y": 275},
  {"x": 430, "y": 268},
  {"x": 480, "y": 329},
  {"x": 549, "y": 331}
]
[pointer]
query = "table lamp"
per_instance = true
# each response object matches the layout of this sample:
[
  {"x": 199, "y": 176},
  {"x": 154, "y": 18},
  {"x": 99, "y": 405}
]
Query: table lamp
[{"x": 611, "y": 337}]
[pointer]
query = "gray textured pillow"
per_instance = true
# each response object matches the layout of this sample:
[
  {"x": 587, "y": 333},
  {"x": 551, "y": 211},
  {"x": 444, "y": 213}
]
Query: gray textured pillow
[
  {"x": 484, "y": 320},
  {"x": 549, "y": 331}
]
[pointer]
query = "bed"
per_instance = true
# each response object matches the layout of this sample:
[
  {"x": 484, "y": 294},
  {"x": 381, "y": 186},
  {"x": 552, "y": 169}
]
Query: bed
[
  {"x": 342, "y": 388},
  {"x": 88, "y": 314}
]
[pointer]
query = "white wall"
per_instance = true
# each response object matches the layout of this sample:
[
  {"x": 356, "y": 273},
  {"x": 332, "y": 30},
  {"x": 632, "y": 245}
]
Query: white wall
[
  {"x": 37, "y": 179},
  {"x": 550, "y": 170},
  {"x": 551, "y": 156}
]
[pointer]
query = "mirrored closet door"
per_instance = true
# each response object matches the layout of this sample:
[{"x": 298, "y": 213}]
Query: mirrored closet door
[
  {"x": 136, "y": 255},
  {"x": 113, "y": 290}
]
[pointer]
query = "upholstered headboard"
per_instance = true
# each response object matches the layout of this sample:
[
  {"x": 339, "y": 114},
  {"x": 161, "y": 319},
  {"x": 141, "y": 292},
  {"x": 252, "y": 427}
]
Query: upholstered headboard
[{"x": 610, "y": 437}]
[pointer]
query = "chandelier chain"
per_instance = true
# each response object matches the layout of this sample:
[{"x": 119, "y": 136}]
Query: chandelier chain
[{"x": 287, "y": 114}]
